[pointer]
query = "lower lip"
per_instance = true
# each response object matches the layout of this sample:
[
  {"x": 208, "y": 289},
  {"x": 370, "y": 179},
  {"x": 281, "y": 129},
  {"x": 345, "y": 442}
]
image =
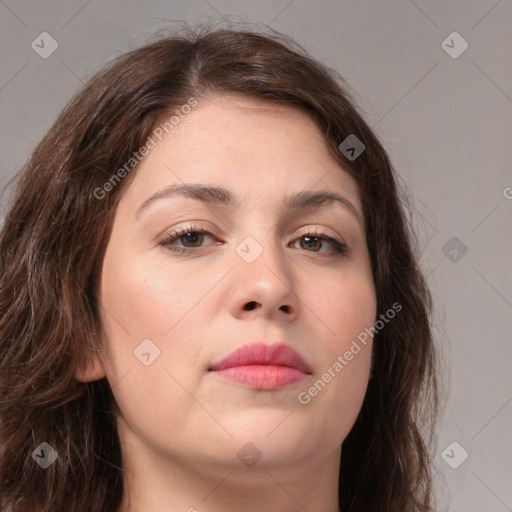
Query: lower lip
[{"x": 263, "y": 377}]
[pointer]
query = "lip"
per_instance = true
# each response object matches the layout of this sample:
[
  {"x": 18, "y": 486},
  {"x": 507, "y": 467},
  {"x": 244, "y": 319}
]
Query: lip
[{"x": 263, "y": 367}]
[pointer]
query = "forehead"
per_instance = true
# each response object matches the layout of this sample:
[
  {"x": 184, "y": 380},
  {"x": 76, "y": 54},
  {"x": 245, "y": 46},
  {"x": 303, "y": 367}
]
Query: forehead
[{"x": 246, "y": 145}]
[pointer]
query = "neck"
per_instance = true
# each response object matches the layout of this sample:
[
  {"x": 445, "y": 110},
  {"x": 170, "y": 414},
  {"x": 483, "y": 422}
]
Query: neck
[{"x": 155, "y": 483}]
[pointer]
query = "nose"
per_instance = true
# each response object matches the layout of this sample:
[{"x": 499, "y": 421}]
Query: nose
[{"x": 265, "y": 287}]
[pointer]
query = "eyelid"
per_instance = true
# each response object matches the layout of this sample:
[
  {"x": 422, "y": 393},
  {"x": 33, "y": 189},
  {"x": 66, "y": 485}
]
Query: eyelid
[
  {"x": 320, "y": 231},
  {"x": 186, "y": 228}
]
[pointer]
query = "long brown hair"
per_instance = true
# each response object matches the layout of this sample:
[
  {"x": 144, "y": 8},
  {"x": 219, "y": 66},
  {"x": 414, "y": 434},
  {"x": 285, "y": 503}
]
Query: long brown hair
[{"x": 54, "y": 238}]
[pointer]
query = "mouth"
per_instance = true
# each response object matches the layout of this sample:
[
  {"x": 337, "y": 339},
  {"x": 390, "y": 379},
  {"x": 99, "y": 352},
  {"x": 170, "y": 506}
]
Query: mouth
[{"x": 263, "y": 367}]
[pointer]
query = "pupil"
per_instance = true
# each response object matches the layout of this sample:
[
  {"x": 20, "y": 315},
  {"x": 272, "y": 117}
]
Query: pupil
[
  {"x": 191, "y": 237},
  {"x": 310, "y": 241}
]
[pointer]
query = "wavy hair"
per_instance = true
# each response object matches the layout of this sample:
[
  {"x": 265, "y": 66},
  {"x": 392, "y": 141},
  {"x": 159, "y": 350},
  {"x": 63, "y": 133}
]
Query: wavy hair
[{"x": 53, "y": 242}]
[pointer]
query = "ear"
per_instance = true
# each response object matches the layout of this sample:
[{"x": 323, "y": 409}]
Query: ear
[{"x": 90, "y": 368}]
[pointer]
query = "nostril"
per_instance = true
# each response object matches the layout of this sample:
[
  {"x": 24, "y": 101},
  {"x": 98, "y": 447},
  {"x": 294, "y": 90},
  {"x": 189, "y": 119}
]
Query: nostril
[
  {"x": 286, "y": 309},
  {"x": 250, "y": 306}
]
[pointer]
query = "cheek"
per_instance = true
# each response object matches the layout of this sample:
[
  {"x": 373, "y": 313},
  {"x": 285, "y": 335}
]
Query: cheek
[
  {"x": 346, "y": 306},
  {"x": 144, "y": 311},
  {"x": 349, "y": 310},
  {"x": 144, "y": 298},
  {"x": 337, "y": 392}
]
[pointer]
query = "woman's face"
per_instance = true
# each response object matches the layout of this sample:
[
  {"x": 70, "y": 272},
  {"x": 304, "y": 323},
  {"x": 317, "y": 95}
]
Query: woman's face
[{"x": 173, "y": 308}]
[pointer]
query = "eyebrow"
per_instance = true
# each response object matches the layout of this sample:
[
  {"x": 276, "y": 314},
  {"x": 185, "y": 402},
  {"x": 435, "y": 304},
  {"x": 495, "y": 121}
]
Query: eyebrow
[{"x": 218, "y": 195}]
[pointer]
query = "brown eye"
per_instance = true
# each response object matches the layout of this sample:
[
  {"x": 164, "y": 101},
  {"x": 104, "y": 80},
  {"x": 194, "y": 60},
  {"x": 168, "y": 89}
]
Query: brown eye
[
  {"x": 314, "y": 242},
  {"x": 190, "y": 238},
  {"x": 193, "y": 237}
]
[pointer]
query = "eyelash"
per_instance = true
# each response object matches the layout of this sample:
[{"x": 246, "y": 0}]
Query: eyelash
[{"x": 339, "y": 248}]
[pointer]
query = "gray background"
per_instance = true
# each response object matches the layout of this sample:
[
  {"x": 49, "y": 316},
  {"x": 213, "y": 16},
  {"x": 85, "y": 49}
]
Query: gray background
[{"x": 445, "y": 121}]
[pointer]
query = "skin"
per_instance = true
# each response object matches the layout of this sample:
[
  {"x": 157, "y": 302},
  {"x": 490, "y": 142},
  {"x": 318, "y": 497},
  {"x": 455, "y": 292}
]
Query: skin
[{"x": 181, "y": 426}]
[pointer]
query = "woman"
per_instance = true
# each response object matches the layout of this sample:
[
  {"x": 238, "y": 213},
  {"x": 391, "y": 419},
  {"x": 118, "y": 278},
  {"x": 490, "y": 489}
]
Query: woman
[{"x": 210, "y": 296}]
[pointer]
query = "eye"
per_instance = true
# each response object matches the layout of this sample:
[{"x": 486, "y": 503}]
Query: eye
[
  {"x": 316, "y": 240},
  {"x": 190, "y": 236}
]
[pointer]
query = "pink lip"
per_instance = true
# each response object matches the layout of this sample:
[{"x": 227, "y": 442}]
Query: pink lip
[{"x": 264, "y": 367}]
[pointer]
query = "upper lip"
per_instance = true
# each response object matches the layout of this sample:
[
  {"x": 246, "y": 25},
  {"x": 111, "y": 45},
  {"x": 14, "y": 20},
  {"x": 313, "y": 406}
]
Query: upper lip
[{"x": 262, "y": 354}]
